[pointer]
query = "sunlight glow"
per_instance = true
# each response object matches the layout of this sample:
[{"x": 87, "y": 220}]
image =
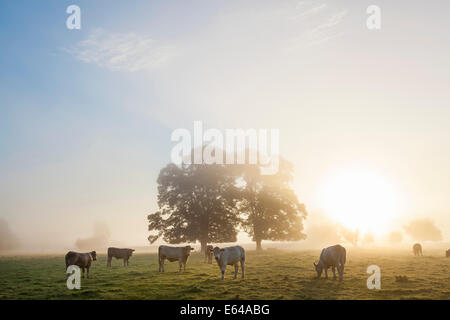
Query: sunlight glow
[{"x": 360, "y": 200}]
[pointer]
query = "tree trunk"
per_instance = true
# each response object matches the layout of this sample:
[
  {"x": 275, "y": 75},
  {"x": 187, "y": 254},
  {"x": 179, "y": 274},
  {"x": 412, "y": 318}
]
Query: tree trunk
[
  {"x": 203, "y": 245},
  {"x": 258, "y": 245}
]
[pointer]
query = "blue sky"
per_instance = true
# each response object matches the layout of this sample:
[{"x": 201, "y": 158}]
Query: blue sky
[{"x": 86, "y": 115}]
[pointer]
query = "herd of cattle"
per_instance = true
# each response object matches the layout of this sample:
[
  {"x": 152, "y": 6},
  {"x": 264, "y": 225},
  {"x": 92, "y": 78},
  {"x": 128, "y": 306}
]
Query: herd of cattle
[{"x": 333, "y": 257}]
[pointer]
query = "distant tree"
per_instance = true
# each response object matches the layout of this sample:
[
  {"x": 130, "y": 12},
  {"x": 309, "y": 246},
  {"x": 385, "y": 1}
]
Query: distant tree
[
  {"x": 349, "y": 235},
  {"x": 8, "y": 240},
  {"x": 395, "y": 237},
  {"x": 99, "y": 239},
  {"x": 368, "y": 239},
  {"x": 423, "y": 230},
  {"x": 196, "y": 203},
  {"x": 270, "y": 207}
]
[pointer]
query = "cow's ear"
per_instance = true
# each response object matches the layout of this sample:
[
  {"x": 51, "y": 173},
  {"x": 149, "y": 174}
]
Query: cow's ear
[
  {"x": 192, "y": 249},
  {"x": 314, "y": 264}
]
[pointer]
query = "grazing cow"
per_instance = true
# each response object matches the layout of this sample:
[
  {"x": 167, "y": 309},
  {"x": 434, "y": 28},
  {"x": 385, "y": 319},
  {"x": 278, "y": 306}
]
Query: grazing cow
[
  {"x": 173, "y": 254},
  {"x": 118, "y": 253},
  {"x": 82, "y": 260},
  {"x": 333, "y": 257},
  {"x": 417, "y": 249},
  {"x": 447, "y": 253},
  {"x": 209, "y": 253},
  {"x": 230, "y": 256}
]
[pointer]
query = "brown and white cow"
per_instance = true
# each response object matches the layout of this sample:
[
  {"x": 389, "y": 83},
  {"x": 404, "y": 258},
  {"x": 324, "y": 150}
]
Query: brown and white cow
[
  {"x": 119, "y": 253},
  {"x": 209, "y": 253},
  {"x": 82, "y": 260},
  {"x": 172, "y": 254},
  {"x": 417, "y": 249}
]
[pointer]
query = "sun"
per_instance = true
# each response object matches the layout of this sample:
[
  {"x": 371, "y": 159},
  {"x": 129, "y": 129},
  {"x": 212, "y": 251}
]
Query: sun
[{"x": 360, "y": 200}]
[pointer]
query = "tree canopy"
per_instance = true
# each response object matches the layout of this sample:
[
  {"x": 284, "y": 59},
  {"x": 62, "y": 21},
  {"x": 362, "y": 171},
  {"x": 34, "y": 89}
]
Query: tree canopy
[
  {"x": 197, "y": 202},
  {"x": 210, "y": 203},
  {"x": 270, "y": 206}
]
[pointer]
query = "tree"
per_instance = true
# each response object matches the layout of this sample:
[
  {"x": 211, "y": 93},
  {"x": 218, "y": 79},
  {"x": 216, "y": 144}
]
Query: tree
[
  {"x": 196, "y": 202},
  {"x": 270, "y": 207},
  {"x": 423, "y": 230},
  {"x": 350, "y": 235},
  {"x": 368, "y": 239},
  {"x": 8, "y": 240}
]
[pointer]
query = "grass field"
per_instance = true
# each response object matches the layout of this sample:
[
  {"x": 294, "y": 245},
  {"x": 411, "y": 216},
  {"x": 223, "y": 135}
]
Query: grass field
[{"x": 271, "y": 274}]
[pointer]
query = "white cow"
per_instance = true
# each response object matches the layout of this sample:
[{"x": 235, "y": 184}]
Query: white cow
[
  {"x": 230, "y": 256},
  {"x": 173, "y": 254}
]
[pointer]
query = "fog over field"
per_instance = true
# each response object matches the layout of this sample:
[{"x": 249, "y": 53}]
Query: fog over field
[{"x": 87, "y": 118}]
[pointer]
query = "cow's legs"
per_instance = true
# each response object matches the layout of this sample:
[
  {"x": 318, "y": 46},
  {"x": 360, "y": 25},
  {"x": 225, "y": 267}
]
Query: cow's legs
[
  {"x": 124, "y": 262},
  {"x": 236, "y": 268},
  {"x": 326, "y": 272},
  {"x": 334, "y": 272},
  {"x": 109, "y": 262},
  {"x": 88, "y": 272},
  {"x": 340, "y": 271},
  {"x": 161, "y": 265},
  {"x": 223, "y": 273},
  {"x": 180, "y": 263},
  {"x": 83, "y": 273},
  {"x": 243, "y": 268}
]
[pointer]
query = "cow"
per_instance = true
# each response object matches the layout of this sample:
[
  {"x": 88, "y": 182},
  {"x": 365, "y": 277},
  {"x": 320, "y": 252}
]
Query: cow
[
  {"x": 230, "y": 256},
  {"x": 173, "y": 254},
  {"x": 82, "y": 260},
  {"x": 209, "y": 253},
  {"x": 417, "y": 249},
  {"x": 333, "y": 257},
  {"x": 118, "y": 253},
  {"x": 447, "y": 253}
]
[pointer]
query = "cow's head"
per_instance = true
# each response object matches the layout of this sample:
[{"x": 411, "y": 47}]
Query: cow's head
[
  {"x": 318, "y": 268},
  {"x": 187, "y": 250},
  {"x": 94, "y": 255},
  {"x": 217, "y": 252},
  {"x": 209, "y": 248},
  {"x": 130, "y": 251}
]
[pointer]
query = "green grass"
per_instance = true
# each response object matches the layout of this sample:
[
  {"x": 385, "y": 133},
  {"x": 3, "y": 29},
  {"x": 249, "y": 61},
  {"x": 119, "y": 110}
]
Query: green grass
[{"x": 270, "y": 275}]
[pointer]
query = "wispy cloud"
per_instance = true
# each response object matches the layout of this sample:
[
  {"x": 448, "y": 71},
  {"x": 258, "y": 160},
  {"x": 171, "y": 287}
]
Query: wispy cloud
[
  {"x": 121, "y": 51},
  {"x": 309, "y": 11},
  {"x": 317, "y": 23},
  {"x": 326, "y": 30}
]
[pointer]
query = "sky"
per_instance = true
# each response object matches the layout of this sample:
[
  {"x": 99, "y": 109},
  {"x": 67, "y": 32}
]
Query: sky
[{"x": 86, "y": 115}]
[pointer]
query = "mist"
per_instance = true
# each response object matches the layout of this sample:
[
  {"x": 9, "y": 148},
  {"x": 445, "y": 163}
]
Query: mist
[
  {"x": 423, "y": 230},
  {"x": 8, "y": 240},
  {"x": 100, "y": 238}
]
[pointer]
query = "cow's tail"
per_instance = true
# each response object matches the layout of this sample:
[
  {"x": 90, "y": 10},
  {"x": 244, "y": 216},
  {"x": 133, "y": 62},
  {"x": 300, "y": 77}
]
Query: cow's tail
[{"x": 159, "y": 254}]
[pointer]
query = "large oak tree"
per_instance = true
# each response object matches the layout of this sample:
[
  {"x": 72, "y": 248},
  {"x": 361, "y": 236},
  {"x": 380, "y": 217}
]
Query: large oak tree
[
  {"x": 270, "y": 207},
  {"x": 197, "y": 202}
]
